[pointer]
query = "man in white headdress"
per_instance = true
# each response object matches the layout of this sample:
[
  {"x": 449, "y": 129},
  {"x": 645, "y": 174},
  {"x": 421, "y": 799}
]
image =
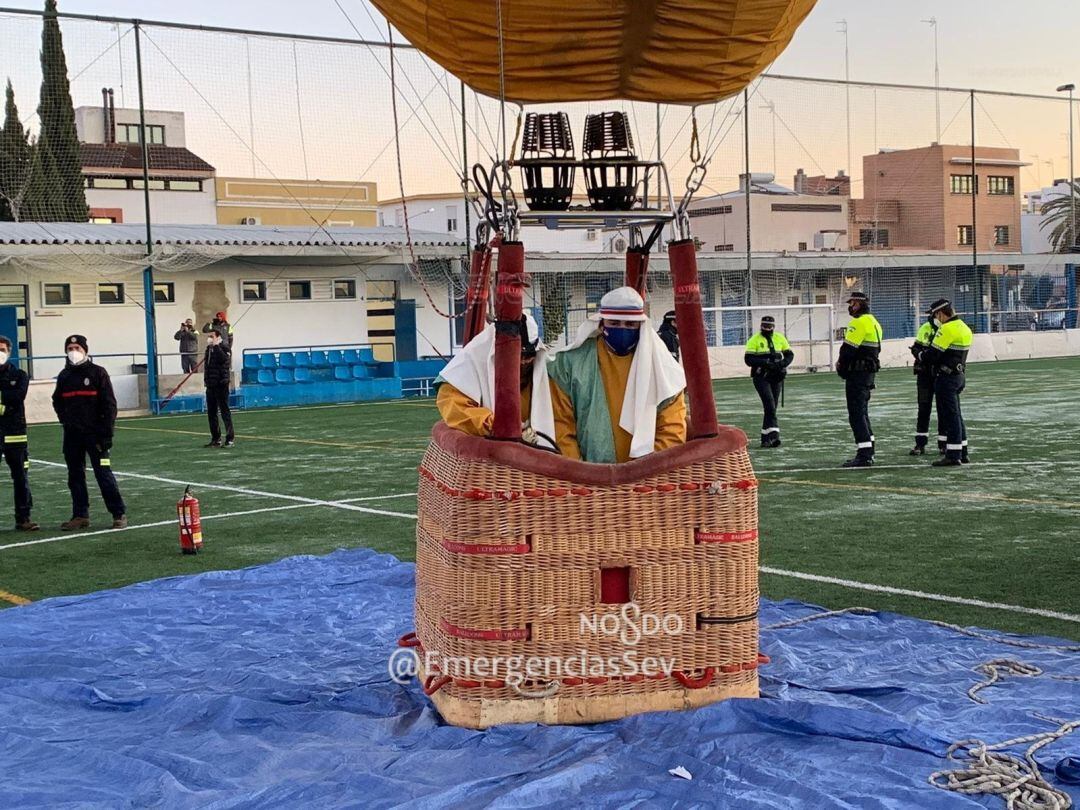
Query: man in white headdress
[
  {"x": 617, "y": 392},
  {"x": 466, "y": 387}
]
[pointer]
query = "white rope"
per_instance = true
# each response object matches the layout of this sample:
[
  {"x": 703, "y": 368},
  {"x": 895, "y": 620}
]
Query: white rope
[
  {"x": 988, "y": 772},
  {"x": 996, "y": 670}
]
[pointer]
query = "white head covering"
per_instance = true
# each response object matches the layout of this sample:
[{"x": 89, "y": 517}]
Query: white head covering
[
  {"x": 655, "y": 376},
  {"x": 472, "y": 372}
]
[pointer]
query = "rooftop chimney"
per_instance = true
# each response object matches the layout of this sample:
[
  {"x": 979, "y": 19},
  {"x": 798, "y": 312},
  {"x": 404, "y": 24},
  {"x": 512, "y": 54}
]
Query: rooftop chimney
[
  {"x": 800, "y": 181},
  {"x": 110, "y": 114}
]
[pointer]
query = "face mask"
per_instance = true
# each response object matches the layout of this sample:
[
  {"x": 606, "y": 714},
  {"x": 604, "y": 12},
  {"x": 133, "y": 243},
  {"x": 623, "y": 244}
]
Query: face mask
[
  {"x": 75, "y": 357},
  {"x": 4, "y": 357},
  {"x": 852, "y": 310},
  {"x": 767, "y": 332},
  {"x": 621, "y": 339}
]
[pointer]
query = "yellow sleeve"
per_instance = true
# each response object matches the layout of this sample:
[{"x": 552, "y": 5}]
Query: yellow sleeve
[
  {"x": 671, "y": 423},
  {"x": 462, "y": 413},
  {"x": 565, "y": 423}
]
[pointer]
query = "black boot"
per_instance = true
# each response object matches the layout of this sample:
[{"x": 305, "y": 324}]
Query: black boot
[
  {"x": 946, "y": 461},
  {"x": 858, "y": 461},
  {"x": 917, "y": 450}
]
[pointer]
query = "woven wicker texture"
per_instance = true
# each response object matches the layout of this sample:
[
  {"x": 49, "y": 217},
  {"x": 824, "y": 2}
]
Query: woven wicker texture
[{"x": 509, "y": 559}]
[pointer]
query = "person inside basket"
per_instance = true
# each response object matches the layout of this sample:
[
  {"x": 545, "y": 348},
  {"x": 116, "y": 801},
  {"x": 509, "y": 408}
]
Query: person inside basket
[
  {"x": 616, "y": 391},
  {"x": 466, "y": 387}
]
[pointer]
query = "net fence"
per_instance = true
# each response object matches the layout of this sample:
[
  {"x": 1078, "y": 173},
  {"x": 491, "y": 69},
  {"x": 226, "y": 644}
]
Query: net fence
[{"x": 814, "y": 188}]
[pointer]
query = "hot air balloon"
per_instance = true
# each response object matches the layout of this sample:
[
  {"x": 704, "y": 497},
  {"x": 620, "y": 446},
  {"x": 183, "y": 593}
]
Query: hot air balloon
[{"x": 518, "y": 549}]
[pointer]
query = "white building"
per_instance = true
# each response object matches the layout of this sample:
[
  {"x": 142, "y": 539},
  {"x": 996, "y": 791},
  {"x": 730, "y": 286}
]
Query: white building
[
  {"x": 181, "y": 183},
  {"x": 783, "y": 220},
  {"x": 1033, "y": 237}
]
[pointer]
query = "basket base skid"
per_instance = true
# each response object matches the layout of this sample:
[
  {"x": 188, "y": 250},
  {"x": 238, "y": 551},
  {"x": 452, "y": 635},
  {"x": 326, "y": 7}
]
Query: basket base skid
[{"x": 567, "y": 710}]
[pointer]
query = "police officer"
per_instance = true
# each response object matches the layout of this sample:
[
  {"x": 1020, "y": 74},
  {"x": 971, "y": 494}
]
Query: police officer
[
  {"x": 13, "y": 384},
  {"x": 768, "y": 354},
  {"x": 924, "y": 383},
  {"x": 217, "y": 371},
  {"x": 85, "y": 403},
  {"x": 947, "y": 357},
  {"x": 669, "y": 333},
  {"x": 221, "y": 322},
  {"x": 857, "y": 366}
]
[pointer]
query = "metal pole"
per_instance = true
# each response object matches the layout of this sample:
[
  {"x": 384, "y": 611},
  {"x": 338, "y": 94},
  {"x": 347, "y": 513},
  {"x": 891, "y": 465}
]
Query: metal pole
[
  {"x": 932, "y": 22},
  {"x": 148, "y": 272},
  {"x": 465, "y": 172},
  {"x": 746, "y": 192},
  {"x": 974, "y": 221},
  {"x": 1072, "y": 172},
  {"x": 847, "y": 91}
]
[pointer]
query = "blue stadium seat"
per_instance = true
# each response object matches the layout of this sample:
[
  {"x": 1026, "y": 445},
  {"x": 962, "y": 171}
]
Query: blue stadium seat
[
  {"x": 303, "y": 359},
  {"x": 351, "y": 357},
  {"x": 360, "y": 372},
  {"x": 342, "y": 373},
  {"x": 266, "y": 376},
  {"x": 318, "y": 360},
  {"x": 303, "y": 374},
  {"x": 284, "y": 375},
  {"x": 287, "y": 360},
  {"x": 267, "y": 360},
  {"x": 251, "y": 361},
  {"x": 367, "y": 354},
  {"x": 334, "y": 357}
]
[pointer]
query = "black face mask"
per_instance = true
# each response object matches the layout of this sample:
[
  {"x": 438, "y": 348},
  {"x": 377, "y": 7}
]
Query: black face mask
[{"x": 854, "y": 309}]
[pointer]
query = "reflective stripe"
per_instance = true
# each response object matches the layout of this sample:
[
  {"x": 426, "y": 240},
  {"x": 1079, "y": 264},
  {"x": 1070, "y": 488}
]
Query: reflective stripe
[
  {"x": 919, "y": 435},
  {"x": 954, "y": 447},
  {"x": 864, "y": 445},
  {"x": 872, "y": 439},
  {"x": 770, "y": 430},
  {"x": 941, "y": 438},
  {"x": 15, "y": 440},
  {"x": 964, "y": 442},
  {"x": 26, "y": 465},
  {"x": 106, "y": 462},
  {"x": 849, "y": 343}
]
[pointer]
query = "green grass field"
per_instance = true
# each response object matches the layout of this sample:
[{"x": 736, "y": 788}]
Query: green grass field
[{"x": 308, "y": 480}]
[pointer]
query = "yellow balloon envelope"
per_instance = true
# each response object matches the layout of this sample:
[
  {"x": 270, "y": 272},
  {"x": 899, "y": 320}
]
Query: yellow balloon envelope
[{"x": 672, "y": 51}]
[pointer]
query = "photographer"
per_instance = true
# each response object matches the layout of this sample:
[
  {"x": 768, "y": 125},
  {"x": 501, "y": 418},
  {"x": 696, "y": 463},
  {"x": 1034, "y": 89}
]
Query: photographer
[{"x": 189, "y": 346}]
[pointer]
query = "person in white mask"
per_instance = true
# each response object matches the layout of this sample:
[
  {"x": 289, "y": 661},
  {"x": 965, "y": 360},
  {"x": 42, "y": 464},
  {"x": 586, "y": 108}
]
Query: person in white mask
[
  {"x": 86, "y": 406},
  {"x": 14, "y": 383}
]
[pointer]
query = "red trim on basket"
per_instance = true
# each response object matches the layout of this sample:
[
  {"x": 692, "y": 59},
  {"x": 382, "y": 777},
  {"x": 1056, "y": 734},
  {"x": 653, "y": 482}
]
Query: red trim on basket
[
  {"x": 409, "y": 640},
  {"x": 726, "y": 537},
  {"x": 695, "y": 683},
  {"x": 486, "y": 548},
  {"x": 433, "y": 683},
  {"x": 513, "y": 634},
  {"x": 762, "y": 658}
]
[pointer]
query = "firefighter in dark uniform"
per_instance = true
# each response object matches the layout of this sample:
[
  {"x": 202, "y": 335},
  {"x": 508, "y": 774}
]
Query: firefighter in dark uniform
[
  {"x": 947, "y": 357},
  {"x": 85, "y": 403},
  {"x": 857, "y": 366},
  {"x": 13, "y": 385},
  {"x": 924, "y": 383},
  {"x": 669, "y": 333},
  {"x": 217, "y": 372},
  {"x": 768, "y": 354}
]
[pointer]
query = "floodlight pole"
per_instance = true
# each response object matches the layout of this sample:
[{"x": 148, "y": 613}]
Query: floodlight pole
[
  {"x": 932, "y": 22},
  {"x": 148, "y": 271},
  {"x": 1072, "y": 174},
  {"x": 847, "y": 89}
]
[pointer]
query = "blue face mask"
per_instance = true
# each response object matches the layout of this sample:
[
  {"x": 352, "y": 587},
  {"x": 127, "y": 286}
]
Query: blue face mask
[{"x": 621, "y": 339}]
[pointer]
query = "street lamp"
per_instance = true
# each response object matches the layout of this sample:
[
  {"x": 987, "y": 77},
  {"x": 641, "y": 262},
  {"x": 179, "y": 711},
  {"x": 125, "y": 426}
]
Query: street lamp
[
  {"x": 847, "y": 87},
  {"x": 932, "y": 22},
  {"x": 1072, "y": 175}
]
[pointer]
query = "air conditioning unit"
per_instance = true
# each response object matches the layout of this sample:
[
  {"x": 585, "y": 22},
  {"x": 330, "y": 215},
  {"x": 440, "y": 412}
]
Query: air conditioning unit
[
  {"x": 251, "y": 221},
  {"x": 618, "y": 245}
]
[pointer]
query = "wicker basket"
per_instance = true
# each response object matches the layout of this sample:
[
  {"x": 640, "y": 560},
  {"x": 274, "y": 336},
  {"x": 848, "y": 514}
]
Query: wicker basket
[{"x": 522, "y": 553}]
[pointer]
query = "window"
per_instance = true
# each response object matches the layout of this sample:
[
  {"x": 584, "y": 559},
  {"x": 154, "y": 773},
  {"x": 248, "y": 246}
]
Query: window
[
  {"x": 965, "y": 235},
  {"x": 724, "y": 248},
  {"x": 1001, "y": 234},
  {"x": 110, "y": 293},
  {"x": 451, "y": 219},
  {"x": 253, "y": 290},
  {"x": 185, "y": 185},
  {"x": 107, "y": 182},
  {"x": 57, "y": 295},
  {"x": 708, "y": 212},
  {"x": 164, "y": 292},
  {"x": 873, "y": 237},
  {"x": 793, "y": 300},
  {"x": 821, "y": 298},
  {"x": 833, "y": 208},
  {"x": 299, "y": 290},
  {"x": 802, "y": 245},
  {"x": 961, "y": 184},
  {"x": 155, "y": 185},
  {"x": 129, "y": 133},
  {"x": 344, "y": 288},
  {"x": 1000, "y": 185},
  {"x": 102, "y": 220}
]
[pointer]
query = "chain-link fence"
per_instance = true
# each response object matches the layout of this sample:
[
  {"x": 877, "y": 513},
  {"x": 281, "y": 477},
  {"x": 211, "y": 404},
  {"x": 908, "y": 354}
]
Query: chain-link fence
[{"x": 814, "y": 188}]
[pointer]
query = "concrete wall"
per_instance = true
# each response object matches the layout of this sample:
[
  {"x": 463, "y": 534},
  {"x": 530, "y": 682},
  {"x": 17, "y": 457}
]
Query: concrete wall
[
  {"x": 130, "y": 391},
  {"x": 773, "y": 230},
  {"x": 295, "y": 202},
  {"x": 166, "y": 207},
  {"x": 90, "y": 124}
]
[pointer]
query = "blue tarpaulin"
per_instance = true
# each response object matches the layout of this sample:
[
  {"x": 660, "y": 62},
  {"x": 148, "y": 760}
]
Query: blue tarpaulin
[{"x": 269, "y": 687}]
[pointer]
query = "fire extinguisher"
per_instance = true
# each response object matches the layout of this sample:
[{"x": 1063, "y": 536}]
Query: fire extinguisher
[{"x": 187, "y": 511}]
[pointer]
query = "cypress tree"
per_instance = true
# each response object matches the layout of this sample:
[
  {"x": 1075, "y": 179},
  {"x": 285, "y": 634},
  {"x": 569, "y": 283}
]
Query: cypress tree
[
  {"x": 58, "y": 139},
  {"x": 43, "y": 187},
  {"x": 14, "y": 162}
]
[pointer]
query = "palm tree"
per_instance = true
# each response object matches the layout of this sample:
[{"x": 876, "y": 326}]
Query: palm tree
[{"x": 1058, "y": 215}]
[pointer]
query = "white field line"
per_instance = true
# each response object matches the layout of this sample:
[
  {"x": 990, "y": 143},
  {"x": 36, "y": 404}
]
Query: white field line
[
  {"x": 80, "y": 535},
  {"x": 976, "y": 465},
  {"x": 933, "y": 597},
  {"x": 254, "y": 492}
]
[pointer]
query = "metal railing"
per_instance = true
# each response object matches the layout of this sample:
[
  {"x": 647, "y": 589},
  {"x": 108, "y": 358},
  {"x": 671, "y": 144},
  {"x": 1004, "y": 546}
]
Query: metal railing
[
  {"x": 47, "y": 366},
  {"x": 319, "y": 347}
]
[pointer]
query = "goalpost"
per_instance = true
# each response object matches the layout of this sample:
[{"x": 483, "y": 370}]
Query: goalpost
[{"x": 809, "y": 328}]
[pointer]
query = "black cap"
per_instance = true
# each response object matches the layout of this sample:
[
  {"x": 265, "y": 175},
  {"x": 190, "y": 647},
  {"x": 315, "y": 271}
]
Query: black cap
[
  {"x": 940, "y": 304},
  {"x": 78, "y": 340},
  {"x": 858, "y": 296},
  {"x": 669, "y": 315},
  {"x": 768, "y": 320}
]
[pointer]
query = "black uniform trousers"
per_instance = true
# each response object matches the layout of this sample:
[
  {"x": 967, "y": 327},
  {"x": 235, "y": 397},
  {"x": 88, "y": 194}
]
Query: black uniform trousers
[
  {"x": 217, "y": 401},
  {"x": 924, "y": 387},
  {"x": 17, "y": 456},
  {"x": 857, "y": 388},
  {"x": 768, "y": 389},
  {"x": 77, "y": 446},
  {"x": 947, "y": 390}
]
